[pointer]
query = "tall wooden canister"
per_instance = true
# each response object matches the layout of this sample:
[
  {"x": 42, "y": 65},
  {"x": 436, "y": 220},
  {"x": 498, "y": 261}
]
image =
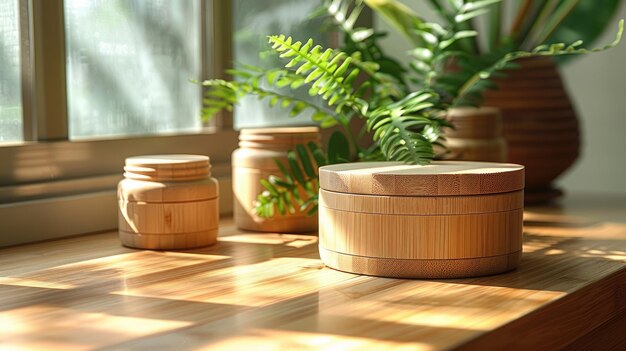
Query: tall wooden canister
[
  {"x": 477, "y": 135},
  {"x": 449, "y": 219},
  {"x": 168, "y": 202},
  {"x": 255, "y": 160}
]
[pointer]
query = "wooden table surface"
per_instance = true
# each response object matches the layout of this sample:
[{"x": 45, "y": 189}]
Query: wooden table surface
[{"x": 266, "y": 292}]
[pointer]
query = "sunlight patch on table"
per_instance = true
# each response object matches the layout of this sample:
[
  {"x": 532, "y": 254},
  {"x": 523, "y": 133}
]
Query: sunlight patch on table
[
  {"x": 259, "y": 339},
  {"x": 253, "y": 285},
  {"x": 53, "y": 328}
]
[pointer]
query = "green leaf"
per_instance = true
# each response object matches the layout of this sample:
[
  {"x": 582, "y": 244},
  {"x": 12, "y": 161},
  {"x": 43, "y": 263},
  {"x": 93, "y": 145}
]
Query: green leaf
[
  {"x": 318, "y": 155},
  {"x": 587, "y": 22},
  {"x": 295, "y": 167},
  {"x": 306, "y": 161},
  {"x": 269, "y": 186},
  {"x": 338, "y": 148},
  {"x": 469, "y": 15}
]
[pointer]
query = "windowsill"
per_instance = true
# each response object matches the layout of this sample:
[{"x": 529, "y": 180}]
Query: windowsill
[
  {"x": 272, "y": 290},
  {"x": 56, "y": 189}
]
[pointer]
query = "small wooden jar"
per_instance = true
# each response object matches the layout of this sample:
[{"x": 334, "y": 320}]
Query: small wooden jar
[
  {"x": 168, "y": 202},
  {"x": 255, "y": 160},
  {"x": 477, "y": 135},
  {"x": 449, "y": 219}
]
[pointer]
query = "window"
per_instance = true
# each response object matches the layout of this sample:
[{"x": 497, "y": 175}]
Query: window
[
  {"x": 10, "y": 87},
  {"x": 87, "y": 83},
  {"x": 129, "y": 66},
  {"x": 253, "y": 21},
  {"x": 101, "y": 80}
]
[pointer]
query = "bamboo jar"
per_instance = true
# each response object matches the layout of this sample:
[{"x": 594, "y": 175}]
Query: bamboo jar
[
  {"x": 449, "y": 219},
  {"x": 168, "y": 202},
  {"x": 255, "y": 160},
  {"x": 477, "y": 135}
]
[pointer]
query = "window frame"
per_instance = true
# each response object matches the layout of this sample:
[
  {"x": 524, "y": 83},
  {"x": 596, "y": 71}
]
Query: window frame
[{"x": 47, "y": 171}]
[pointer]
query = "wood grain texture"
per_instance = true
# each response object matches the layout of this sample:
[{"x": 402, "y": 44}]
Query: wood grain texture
[
  {"x": 422, "y": 205},
  {"x": 421, "y": 268},
  {"x": 470, "y": 149},
  {"x": 476, "y": 136},
  {"x": 271, "y": 292},
  {"x": 421, "y": 236},
  {"x": 168, "y": 217},
  {"x": 141, "y": 191},
  {"x": 540, "y": 123},
  {"x": 168, "y": 202},
  {"x": 259, "y": 149},
  {"x": 433, "y": 235},
  {"x": 165, "y": 241},
  {"x": 440, "y": 178},
  {"x": 167, "y": 167},
  {"x": 476, "y": 123}
]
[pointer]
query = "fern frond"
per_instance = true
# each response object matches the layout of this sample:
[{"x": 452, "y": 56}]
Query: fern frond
[
  {"x": 328, "y": 73},
  {"x": 473, "y": 85},
  {"x": 361, "y": 44},
  {"x": 223, "y": 95},
  {"x": 297, "y": 187},
  {"x": 406, "y": 129},
  {"x": 441, "y": 44},
  {"x": 346, "y": 13}
]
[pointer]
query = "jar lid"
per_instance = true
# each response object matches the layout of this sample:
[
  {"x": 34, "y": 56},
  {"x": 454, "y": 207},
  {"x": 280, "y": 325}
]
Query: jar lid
[
  {"x": 168, "y": 167},
  {"x": 440, "y": 178},
  {"x": 282, "y": 135}
]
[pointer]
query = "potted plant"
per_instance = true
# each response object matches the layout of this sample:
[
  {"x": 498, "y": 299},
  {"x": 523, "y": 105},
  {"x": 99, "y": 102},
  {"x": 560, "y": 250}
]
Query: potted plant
[
  {"x": 539, "y": 119},
  {"x": 360, "y": 81}
]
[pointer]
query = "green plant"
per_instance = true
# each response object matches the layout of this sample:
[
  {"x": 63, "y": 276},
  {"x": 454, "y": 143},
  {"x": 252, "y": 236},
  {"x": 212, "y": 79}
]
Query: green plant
[
  {"x": 532, "y": 34},
  {"x": 298, "y": 183},
  {"x": 405, "y": 122}
]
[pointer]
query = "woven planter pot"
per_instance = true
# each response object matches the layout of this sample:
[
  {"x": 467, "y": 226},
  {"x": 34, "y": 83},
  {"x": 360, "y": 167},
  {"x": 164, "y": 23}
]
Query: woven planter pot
[{"x": 539, "y": 123}]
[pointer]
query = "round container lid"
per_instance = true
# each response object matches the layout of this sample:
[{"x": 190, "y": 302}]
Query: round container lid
[
  {"x": 167, "y": 167},
  {"x": 440, "y": 178},
  {"x": 282, "y": 135}
]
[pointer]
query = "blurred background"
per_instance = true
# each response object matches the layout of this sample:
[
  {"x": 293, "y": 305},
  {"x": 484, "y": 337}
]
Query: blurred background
[
  {"x": 129, "y": 66},
  {"x": 597, "y": 86}
]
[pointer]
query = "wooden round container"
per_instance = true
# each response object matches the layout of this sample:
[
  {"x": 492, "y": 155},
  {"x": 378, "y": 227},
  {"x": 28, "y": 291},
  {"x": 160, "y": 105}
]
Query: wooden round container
[
  {"x": 477, "y": 135},
  {"x": 259, "y": 149},
  {"x": 449, "y": 219},
  {"x": 168, "y": 202}
]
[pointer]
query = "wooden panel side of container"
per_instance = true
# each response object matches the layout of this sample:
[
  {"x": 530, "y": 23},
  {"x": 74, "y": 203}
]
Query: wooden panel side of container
[
  {"x": 168, "y": 218},
  {"x": 246, "y": 187},
  {"x": 421, "y": 236},
  {"x": 422, "y": 205},
  {"x": 168, "y": 241}
]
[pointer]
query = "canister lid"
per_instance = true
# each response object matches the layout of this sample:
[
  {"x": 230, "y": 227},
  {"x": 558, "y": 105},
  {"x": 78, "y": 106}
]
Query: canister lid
[
  {"x": 173, "y": 167},
  {"x": 440, "y": 178},
  {"x": 282, "y": 135}
]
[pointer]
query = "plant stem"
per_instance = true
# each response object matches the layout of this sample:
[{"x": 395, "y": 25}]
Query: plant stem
[
  {"x": 528, "y": 24},
  {"x": 523, "y": 13},
  {"x": 346, "y": 126},
  {"x": 539, "y": 22},
  {"x": 469, "y": 45},
  {"x": 556, "y": 19},
  {"x": 495, "y": 26},
  {"x": 441, "y": 10}
]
